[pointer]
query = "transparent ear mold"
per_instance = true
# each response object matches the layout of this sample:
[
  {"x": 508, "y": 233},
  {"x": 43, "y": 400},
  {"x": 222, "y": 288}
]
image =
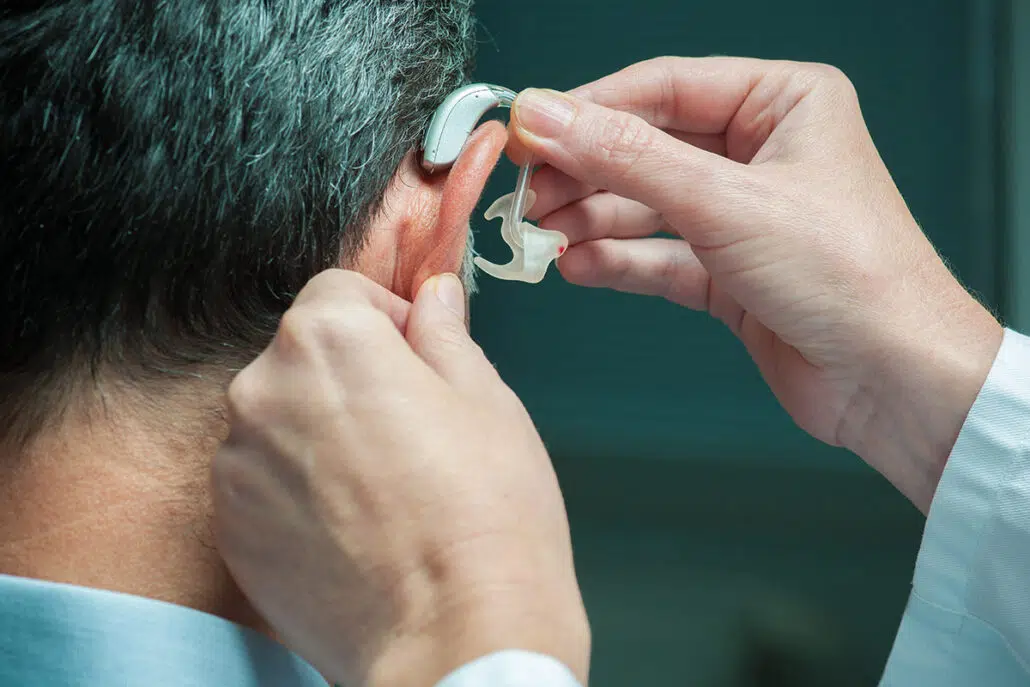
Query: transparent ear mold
[{"x": 532, "y": 249}]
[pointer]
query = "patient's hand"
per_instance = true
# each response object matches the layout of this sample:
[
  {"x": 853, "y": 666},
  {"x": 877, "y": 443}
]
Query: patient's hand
[{"x": 383, "y": 497}]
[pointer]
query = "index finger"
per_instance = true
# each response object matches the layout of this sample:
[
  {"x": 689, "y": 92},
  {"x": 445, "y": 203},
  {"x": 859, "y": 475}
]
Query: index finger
[{"x": 700, "y": 95}]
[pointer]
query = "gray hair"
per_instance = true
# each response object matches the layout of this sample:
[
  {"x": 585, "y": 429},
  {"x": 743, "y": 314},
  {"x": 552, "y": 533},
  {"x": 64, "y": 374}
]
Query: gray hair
[{"x": 176, "y": 171}]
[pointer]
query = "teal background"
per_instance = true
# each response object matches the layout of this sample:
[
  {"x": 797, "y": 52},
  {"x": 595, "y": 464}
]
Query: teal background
[{"x": 716, "y": 543}]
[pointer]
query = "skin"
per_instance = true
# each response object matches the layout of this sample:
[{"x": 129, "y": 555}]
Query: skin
[{"x": 383, "y": 497}]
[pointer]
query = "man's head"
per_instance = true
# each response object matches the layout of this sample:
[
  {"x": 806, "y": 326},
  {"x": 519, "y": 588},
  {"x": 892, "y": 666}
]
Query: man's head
[{"x": 174, "y": 173}]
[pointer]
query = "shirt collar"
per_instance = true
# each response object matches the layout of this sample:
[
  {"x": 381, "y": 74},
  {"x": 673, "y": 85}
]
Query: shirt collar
[{"x": 59, "y": 634}]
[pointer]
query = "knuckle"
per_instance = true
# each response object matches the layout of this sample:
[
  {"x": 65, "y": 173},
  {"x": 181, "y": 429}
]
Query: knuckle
[
  {"x": 327, "y": 327},
  {"x": 295, "y": 328},
  {"x": 353, "y": 332},
  {"x": 669, "y": 274},
  {"x": 619, "y": 268},
  {"x": 613, "y": 219},
  {"x": 246, "y": 393},
  {"x": 831, "y": 73},
  {"x": 333, "y": 279},
  {"x": 255, "y": 401},
  {"x": 831, "y": 76},
  {"x": 332, "y": 284},
  {"x": 662, "y": 66},
  {"x": 668, "y": 61},
  {"x": 620, "y": 140}
]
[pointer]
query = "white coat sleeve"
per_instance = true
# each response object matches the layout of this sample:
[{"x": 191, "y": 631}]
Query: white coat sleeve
[{"x": 967, "y": 621}]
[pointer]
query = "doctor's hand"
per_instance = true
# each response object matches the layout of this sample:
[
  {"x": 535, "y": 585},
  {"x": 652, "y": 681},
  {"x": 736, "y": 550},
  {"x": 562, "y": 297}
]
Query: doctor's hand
[
  {"x": 383, "y": 498},
  {"x": 786, "y": 226}
]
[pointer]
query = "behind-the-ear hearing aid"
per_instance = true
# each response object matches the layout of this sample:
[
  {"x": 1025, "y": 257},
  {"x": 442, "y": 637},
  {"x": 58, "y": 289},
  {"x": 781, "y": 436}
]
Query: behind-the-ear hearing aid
[
  {"x": 533, "y": 249},
  {"x": 454, "y": 120}
]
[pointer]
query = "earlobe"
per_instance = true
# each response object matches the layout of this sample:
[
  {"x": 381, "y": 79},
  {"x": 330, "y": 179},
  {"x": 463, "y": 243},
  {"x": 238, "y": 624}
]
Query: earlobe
[{"x": 458, "y": 192}]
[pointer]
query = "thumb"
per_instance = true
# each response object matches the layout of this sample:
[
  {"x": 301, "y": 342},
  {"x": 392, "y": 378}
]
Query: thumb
[
  {"x": 437, "y": 332},
  {"x": 624, "y": 154}
]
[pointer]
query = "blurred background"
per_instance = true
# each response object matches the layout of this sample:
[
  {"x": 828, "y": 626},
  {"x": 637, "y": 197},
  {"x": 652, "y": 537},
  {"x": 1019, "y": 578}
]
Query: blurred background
[{"x": 718, "y": 545}]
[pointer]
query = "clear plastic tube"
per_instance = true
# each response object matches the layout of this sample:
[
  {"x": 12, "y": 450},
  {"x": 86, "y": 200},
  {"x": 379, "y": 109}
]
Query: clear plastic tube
[{"x": 518, "y": 205}]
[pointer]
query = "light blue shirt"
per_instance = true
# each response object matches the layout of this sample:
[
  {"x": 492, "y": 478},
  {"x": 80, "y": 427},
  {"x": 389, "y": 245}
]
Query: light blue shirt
[
  {"x": 58, "y": 635},
  {"x": 967, "y": 621}
]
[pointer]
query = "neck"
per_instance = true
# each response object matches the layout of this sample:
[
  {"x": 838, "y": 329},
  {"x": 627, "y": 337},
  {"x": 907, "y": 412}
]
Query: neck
[{"x": 107, "y": 502}]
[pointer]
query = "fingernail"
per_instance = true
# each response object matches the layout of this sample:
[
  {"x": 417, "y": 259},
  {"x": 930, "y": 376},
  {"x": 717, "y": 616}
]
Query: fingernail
[
  {"x": 543, "y": 113},
  {"x": 449, "y": 291}
]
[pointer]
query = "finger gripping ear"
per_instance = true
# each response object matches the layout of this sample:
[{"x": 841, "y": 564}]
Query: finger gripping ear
[{"x": 442, "y": 341}]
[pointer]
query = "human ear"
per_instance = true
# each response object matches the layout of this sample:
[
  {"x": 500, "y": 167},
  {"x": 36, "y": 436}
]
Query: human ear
[{"x": 422, "y": 228}]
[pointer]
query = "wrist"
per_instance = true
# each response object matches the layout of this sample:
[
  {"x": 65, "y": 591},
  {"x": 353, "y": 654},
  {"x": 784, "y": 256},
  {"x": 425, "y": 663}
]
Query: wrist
[
  {"x": 472, "y": 625},
  {"x": 914, "y": 400}
]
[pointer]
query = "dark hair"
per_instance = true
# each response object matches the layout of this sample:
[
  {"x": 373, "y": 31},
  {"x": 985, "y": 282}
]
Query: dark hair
[{"x": 174, "y": 172}]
